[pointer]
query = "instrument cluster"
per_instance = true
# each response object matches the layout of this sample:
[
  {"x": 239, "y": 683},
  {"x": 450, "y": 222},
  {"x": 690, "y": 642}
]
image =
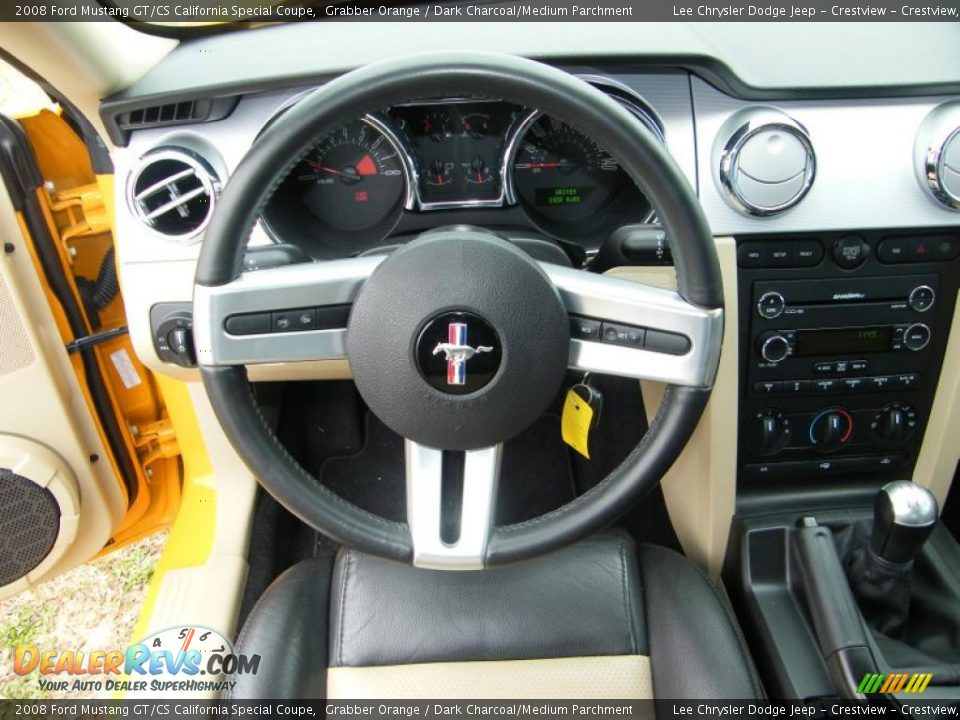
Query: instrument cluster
[{"x": 433, "y": 163}]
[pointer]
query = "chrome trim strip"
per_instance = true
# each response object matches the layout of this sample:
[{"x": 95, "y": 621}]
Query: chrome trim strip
[{"x": 481, "y": 474}]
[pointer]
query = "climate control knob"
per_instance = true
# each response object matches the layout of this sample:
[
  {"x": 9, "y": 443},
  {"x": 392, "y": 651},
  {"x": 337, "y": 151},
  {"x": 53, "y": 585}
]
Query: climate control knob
[
  {"x": 771, "y": 432},
  {"x": 773, "y": 346},
  {"x": 894, "y": 424},
  {"x": 831, "y": 429}
]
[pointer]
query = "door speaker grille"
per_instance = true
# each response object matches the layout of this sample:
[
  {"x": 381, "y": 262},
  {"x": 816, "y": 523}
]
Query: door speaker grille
[
  {"x": 29, "y": 525},
  {"x": 16, "y": 352}
]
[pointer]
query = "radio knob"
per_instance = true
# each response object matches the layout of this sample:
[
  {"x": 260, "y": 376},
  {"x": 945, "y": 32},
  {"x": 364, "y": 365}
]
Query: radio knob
[
  {"x": 916, "y": 337},
  {"x": 772, "y": 431},
  {"x": 922, "y": 298},
  {"x": 831, "y": 429},
  {"x": 894, "y": 424},
  {"x": 771, "y": 305},
  {"x": 773, "y": 346}
]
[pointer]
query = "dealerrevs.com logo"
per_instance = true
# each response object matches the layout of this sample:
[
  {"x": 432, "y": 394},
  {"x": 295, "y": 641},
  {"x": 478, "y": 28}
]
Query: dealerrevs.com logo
[{"x": 182, "y": 659}]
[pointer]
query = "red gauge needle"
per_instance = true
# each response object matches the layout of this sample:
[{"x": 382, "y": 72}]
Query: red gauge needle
[
  {"x": 318, "y": 166},
  {"x": 538, "y": 165}
]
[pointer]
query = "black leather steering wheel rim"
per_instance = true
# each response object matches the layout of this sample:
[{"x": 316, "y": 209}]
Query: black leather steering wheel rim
[{"x": 554, "y": 92}]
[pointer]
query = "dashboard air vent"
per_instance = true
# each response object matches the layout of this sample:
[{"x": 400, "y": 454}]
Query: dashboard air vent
[
  {"x": 937, "y": 154},
  {"x": 186, "y": 112},
  {"x": 173, "y": 192},
  {"x": 766, "y": 162}
]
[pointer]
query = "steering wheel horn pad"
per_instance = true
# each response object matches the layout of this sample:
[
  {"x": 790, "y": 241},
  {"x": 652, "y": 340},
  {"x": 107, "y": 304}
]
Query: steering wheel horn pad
[{"x": 402, "y": 316}]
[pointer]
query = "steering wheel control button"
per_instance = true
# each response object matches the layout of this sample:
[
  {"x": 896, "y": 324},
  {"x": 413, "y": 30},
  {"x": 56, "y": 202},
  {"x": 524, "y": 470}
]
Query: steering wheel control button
[
  {"x": 617, "y": 334},
  {"x": 916, "y": 337},
  {"x": 771, "y": 305},
  {"x": 766, "y": 162},
  {"x": 922, "y": 298},
  {"x": 248, "y": 324},
  {"x": 295, "y": 320},
  {"x": 458, "y": 353},
  {"x": 585, "y": 328},
  {"x": 850, "y": 252},
  {"x": 666, "y": 342},
  {"x": 458, "y": 340}
]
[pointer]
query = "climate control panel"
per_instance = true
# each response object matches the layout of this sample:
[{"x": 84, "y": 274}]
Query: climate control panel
[{"x": 840, "y": 353}]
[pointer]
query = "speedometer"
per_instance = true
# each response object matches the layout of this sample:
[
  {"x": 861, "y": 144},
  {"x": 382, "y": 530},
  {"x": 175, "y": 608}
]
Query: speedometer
[
  {"x": 569, "y": 184},
  {"x": 559, "y": 169},
  {"x": 348, "y": 190}
]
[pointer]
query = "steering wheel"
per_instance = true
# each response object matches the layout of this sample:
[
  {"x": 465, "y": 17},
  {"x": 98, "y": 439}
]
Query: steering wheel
[{"x": 463, "y": 301}]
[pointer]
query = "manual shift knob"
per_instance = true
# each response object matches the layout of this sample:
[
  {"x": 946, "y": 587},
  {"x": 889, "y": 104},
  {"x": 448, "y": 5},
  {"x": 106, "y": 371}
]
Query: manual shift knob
[{"x": 904, "y": 515}]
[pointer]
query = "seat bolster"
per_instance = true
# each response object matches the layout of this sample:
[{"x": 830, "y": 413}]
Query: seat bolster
[
  {"x": 584, "y": 600},
  {"x": 288, "y": 629},
  {"x": 696, "y": 647}
]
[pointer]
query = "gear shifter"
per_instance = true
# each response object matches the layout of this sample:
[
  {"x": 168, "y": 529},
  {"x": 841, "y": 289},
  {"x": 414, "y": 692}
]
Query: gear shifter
[{"x": 904, "y": 515}]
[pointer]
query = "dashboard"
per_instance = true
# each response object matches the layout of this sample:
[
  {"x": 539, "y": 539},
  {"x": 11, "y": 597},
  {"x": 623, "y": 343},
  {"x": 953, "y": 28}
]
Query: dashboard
[{"x": 811, "y": 191}]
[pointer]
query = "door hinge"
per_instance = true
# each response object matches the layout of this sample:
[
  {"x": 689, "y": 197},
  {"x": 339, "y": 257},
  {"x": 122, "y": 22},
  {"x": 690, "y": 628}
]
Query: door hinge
[
  {"x": 85, "y": 213},
  {"x": 154, "y": 441}
]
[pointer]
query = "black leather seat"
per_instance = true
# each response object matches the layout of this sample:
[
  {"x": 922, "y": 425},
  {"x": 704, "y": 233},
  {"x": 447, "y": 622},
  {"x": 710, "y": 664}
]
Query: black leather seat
[{"x": 601, "y": 598}]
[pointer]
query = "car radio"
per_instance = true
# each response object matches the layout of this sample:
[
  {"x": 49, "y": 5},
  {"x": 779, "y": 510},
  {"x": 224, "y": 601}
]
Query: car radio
[{"x": 839, "y": 358}]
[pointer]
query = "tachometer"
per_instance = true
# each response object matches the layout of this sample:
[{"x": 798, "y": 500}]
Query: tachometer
[
  {"x": 352, "y": 179},
  {"x": 349, "y": 190},
  {"x": 560, "y": 171}
]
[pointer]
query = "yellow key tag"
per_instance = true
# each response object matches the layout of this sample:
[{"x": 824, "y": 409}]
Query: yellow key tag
[{"x": 575, "y": 423}]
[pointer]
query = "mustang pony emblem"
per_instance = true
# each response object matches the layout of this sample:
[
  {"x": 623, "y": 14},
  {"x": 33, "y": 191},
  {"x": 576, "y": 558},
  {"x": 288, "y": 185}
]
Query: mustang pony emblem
[{"x": 458, "y": 352}]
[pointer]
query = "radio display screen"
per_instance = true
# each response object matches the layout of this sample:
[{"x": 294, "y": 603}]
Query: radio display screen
[{"x": 840, "y": 341}]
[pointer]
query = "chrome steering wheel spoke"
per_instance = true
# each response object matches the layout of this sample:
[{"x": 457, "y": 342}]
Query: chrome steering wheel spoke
[
  {"x": 321, "y": 290},
  {"x": 463, "y": 548},
  {"x": 665, "y": 338}
]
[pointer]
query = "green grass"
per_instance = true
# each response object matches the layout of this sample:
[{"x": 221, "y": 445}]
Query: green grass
[
  {"x": 27, "y": 623},
  {"x": 25, "y": 688},
  {"x": 132, "y": 569}
]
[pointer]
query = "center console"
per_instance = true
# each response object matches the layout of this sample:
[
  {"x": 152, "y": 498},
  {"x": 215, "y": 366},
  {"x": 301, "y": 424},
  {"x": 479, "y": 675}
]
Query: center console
[
  {"x": 842, "y": 340},
  {"x": 841, "y": 352}
]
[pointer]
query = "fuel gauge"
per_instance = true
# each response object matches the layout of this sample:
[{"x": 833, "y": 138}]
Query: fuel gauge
[{"x": 440, "y": 173}]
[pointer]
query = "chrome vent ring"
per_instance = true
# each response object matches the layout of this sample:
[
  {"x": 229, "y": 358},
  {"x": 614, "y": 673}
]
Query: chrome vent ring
[{"x": 172, "y": 192}]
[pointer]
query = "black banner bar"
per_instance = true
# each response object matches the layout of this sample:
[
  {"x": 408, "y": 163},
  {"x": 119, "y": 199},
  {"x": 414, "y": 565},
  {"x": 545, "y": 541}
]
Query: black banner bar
[
  {"x": 263, "y": 11},
  {"x": 479, "y": 709}
]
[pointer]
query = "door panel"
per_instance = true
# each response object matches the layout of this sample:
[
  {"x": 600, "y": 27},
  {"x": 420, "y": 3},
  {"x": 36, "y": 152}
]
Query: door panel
[{"x": 81, "y": 418}]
